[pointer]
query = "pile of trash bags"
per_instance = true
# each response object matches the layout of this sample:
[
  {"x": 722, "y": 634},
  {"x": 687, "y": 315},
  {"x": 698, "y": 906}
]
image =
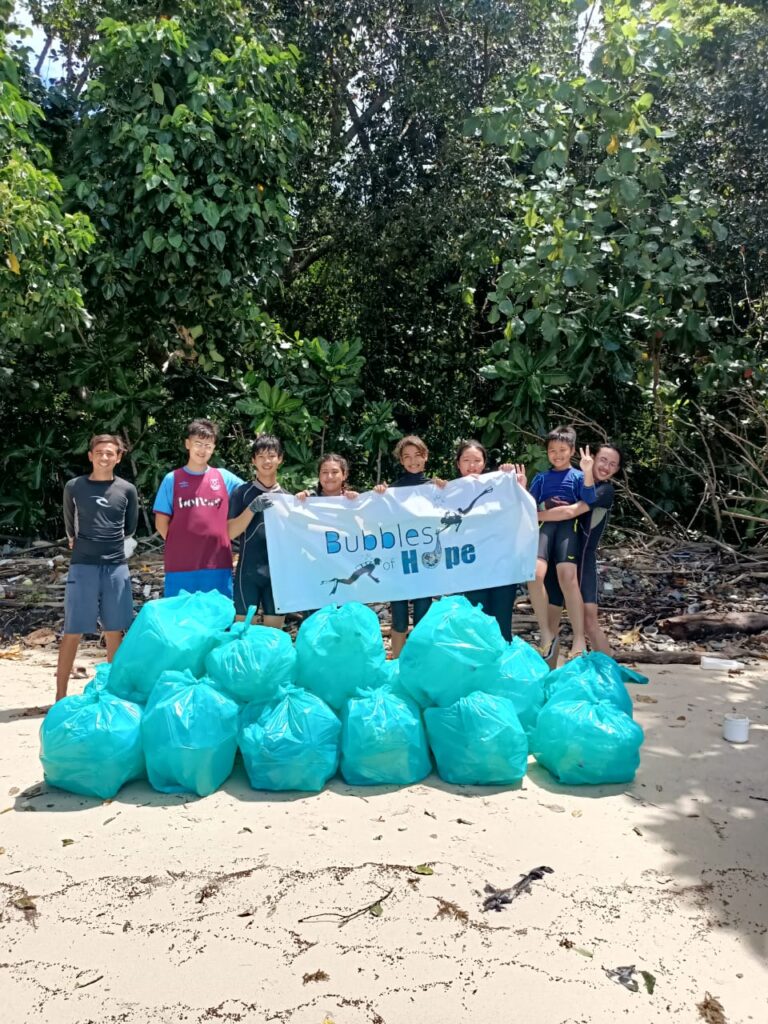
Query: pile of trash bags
[{"x": 189, "y": 687}]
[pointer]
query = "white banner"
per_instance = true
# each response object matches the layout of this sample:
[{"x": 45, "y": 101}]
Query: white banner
[{"x": 409, "y": 542}]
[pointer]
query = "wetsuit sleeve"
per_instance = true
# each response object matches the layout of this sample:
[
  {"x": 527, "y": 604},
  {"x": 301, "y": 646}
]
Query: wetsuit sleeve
[
  {"x": 605, "y": 496},
  {"x": 164, "y": 497},
  {"x": 236, "y": 502},
  {"x": 536, "y": 488},
  {"x": 584, "y": 493},
  {"x": 231, "y": 481},
  {"x": 131, "y": 512},
  {"x": 69, "y": 511}
]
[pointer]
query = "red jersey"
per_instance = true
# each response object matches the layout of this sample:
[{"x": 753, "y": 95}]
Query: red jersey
[{"x": 197, "y": 533}]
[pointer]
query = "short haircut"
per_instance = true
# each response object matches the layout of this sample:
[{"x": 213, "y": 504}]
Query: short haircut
[
  {"x": 614, "y": 447},
  {"x": 562, "y": 435},
  {"x": 267, "y": 443},
  {"x": 118, "y": 442},
  {"x": 414, "y": 442},
  {"x": 471, "y": 443},
  {"x": 203, "y": 428},
  {"x": 338, "y": 459}
]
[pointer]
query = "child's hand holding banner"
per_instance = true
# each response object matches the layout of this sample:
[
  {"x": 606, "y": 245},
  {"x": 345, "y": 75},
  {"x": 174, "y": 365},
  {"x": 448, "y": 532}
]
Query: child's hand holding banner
[{"x": 409, "y": 542}]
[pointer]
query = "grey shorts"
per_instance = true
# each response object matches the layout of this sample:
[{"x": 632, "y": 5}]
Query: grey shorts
[{"x": 97, "y": 594}]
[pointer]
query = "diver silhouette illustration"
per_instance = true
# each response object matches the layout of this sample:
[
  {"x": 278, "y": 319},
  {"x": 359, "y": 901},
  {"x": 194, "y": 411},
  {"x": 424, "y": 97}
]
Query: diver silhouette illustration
[
  {"x": 431, "y": 559},
  {"x": 365, "y": 569},
  {"x": 456, "y": 518}
]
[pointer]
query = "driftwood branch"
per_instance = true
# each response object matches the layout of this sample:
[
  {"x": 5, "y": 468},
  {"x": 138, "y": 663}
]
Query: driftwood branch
[
  {"x": 342, "y": 919},
  {"x": 679, "y": 657},
  {"x": 709, "y": 624}
]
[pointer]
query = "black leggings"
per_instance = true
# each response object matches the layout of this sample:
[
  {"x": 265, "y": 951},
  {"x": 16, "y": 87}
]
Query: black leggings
[
  {"x": 399, "y": 611},
  {"x": 497, "y": 602}
]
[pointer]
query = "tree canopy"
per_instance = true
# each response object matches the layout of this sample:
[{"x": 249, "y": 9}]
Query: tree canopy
[{"x": 343, "y": 221}]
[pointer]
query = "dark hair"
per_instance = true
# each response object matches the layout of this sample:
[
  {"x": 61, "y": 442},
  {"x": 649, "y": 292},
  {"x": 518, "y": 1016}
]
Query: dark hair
[
  {"x": 267, "y": 443},
  {"x": 340, "y": 461},
  {"x": 413, "y": 441},
  {"x": 203, "y": 428},
  {"x": 614, "y": 447},
  {"x": 118, "y": 442},
  {"x": 562, "y": 435},
  {"x": 472, "y": 443}
]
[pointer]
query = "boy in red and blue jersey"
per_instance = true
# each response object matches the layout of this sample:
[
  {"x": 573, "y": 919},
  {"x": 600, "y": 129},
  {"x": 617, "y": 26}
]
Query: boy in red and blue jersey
[
  {"x": 558, "y": 541},
  {"x": 191, "y": 510}
]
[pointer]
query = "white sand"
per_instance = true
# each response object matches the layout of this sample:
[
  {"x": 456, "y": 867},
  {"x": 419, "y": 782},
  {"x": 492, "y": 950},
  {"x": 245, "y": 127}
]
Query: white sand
[{"x": 148, "y": 898}]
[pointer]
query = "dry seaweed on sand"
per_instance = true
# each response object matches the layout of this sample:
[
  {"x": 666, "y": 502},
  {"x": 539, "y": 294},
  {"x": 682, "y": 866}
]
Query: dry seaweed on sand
[
  {"x": 497, "y": 899},
  {"x": 711, "y": 1009}
]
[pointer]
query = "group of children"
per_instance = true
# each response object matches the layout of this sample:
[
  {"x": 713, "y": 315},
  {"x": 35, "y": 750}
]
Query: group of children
[{"x": 200, "y": 510}]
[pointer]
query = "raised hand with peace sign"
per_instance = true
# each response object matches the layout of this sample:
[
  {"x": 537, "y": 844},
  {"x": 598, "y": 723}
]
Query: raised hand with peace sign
[{"x": 586, "y": 462}]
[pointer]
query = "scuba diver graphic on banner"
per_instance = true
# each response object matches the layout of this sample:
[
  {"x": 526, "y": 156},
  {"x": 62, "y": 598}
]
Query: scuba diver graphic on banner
[{"x": 431, "y": 559}]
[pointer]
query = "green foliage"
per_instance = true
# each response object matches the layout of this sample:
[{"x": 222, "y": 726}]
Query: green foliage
[
  {"x": 39, "y": 243},
  {"x": 181, "y": 157},
  {"x": 600, "y": 266},
  {"x": 343, "y": 222}
]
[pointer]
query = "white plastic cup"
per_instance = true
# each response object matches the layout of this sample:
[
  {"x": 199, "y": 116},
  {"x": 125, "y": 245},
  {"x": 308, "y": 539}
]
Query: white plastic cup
[
  {"x": 736, "y": 728},
  {"x": 720, "y": 664}
]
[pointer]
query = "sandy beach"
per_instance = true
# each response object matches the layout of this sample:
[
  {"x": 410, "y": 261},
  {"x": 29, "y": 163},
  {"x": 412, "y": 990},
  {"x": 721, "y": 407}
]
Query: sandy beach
[{"x": 154, "y": 908}]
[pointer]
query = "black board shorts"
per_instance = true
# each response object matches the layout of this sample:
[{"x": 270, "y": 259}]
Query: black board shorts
[
  {"x": 254, "y": 591},
  {"x": 559, "y": 542}
]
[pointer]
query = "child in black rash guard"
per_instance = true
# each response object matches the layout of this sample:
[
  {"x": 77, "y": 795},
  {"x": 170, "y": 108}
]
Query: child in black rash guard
[
  {"x": 498, "y": 602},
  {"x": 412, "y": 454},
  {"x": 332, "y": 477}
]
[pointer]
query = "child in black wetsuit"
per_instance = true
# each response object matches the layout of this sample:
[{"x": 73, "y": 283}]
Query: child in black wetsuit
[
  {"x": 332, "y": 477},
  {"x": 498, "y": 602},
  {"x": 412, "y": 454}
]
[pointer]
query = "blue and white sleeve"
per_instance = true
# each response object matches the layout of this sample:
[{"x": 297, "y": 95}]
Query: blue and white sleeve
[
  {"x": 164, "y": 497},
  {"x": 231, "y": 480}
]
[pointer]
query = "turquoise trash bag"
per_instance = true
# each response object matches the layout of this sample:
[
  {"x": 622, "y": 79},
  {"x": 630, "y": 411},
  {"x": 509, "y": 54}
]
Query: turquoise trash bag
[
  {"x": 388, "y": 675},
  {"x": 520, "y": 678},
  {"x": 190, "y": 735},
  {"x": 172, "y": 633},
  {"x": 608, "y": 669},
  {"x": 383, "y": 740},
  {"x": 584, "y": 742},
  {"x": 479, "y": 740},
  {"x": 581, "y": 679},
  {"x": 338, "y": 650},
  {"x": 91, "y": 744},
  {"x": 290, "y": 743},
  {"x": 608, "y": 666},
  {"x": 100, "y": 679},
  {"x": 252, "y": 663},
  {"x": 455, "y": 650}
]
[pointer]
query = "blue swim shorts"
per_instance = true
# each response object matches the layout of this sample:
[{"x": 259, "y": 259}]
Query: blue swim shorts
[{"x": 97, "y": 595}]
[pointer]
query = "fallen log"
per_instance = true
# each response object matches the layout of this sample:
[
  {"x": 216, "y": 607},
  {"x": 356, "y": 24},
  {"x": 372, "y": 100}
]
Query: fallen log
[
  {"x": 680, "y": 657},
  {"x": 699, "y": 625}
]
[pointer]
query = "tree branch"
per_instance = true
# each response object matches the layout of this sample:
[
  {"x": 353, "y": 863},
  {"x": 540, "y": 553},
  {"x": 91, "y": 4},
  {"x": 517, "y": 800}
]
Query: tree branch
[
  {"x": 360, "y": 121},
  {"x": 294, "y": 269}
]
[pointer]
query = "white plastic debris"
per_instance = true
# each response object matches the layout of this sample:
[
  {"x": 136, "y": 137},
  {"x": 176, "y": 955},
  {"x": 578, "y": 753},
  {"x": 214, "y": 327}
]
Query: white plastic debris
[
  {"x": 721, "y": 664},
  {"x": 736, "y": 728}
]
